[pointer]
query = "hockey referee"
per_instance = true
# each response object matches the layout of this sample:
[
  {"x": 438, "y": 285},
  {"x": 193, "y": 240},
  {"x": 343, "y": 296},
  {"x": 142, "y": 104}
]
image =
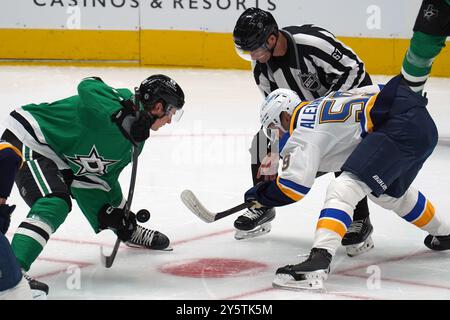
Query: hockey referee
[{"x": 312, "y": 62}]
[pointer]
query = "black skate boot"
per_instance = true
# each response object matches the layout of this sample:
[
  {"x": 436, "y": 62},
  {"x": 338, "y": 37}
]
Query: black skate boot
[
  {"x": 39, "y": 290},
  {"x": 149, "y": 239},
  {"x": 307, "y": 275},
  {"x": 438, "y": 243},
  {"x": 358, "y": 238},
  {"x": 254, "y": 223}
]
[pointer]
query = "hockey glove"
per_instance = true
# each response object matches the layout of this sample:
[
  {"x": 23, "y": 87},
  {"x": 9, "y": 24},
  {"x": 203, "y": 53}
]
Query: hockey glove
[
  {"x": 5, "y": 217},
  {"x": 134, "y": 124},
  {"x": 140, "y": 129},
  {"x": 114, "y": 219}
]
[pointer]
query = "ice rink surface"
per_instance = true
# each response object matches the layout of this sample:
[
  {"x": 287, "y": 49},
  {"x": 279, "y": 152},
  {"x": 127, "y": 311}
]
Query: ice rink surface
[{"x": 207, "y": 152}]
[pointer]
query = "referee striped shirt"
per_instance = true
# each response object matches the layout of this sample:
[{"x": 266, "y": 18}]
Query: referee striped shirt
[{"x": 315, "y": 63}]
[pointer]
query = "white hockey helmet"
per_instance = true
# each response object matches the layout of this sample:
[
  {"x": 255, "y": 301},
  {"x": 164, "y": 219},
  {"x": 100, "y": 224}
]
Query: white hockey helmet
[{"x": 276, "y": 102}]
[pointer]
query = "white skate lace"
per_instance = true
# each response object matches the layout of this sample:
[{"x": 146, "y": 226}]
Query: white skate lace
[
  {"x": 355, "y": 227},
  {"x": 27, "y": 277},
  {"x": 253, "y": 214},
  {"x": 142, "y": 236},
  {"x": 39, "y": 290}
]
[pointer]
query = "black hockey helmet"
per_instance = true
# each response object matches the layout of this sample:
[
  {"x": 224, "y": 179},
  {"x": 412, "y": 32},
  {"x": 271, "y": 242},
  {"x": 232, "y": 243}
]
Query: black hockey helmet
[
  {"x": 253, "y": 28},
  {"x": 160, "y": 88}
]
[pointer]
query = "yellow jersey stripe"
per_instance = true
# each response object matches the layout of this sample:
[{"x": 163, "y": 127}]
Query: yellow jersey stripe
[
  {"x": 289, "y": 192},
  {"x": 332, "y": 225},
  {"x": 294, "y": 115},
  {"x": 426, "y": 216},
  {"x": 6, "y": 145},
  {"x": 367, "y": 109}
]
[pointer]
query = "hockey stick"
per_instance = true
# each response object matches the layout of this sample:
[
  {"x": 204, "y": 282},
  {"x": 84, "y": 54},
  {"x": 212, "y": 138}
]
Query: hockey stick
[
  {"x": 107, "y": 261},
  {"x": 192, "y": 203}
]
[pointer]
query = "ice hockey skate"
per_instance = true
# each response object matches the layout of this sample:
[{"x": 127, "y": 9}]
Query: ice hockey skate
[
  {"x": 438, "y": 243},
  {"x": 149, "y": 239},
  {"x": 39, "y": 290},
  {"x": 254, "y": 223},
  {"x": 358, "y": 238},
  {"x": 307, "y": 275}
]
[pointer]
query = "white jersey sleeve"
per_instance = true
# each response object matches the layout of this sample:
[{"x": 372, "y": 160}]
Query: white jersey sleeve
[{"x": 301, "y": 159}]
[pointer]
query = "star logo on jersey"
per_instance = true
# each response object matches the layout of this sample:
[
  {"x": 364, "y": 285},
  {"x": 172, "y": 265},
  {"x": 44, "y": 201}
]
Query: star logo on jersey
[
  {"x": 310, "y": 81},
  {"x": 93, "y": 163},
  {"x": 430, "y": 13}
]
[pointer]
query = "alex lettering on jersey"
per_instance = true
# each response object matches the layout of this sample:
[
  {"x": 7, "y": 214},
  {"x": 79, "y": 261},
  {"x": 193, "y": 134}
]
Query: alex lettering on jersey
[{"x": 308, "y": 114}]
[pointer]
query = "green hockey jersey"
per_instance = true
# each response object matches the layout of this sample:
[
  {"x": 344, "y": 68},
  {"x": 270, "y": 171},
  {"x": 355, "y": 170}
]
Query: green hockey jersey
[{"x": 77, "y": 133}]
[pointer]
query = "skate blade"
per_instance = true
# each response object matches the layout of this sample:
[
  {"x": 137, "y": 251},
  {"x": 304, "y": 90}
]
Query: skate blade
[
  {"x": 38, "y": 295},
  {"x": 257, "y": 232},
  {"x": 136, "y": 246},
  {"x": 360, "y": 248},
  {"x": 287, "y": 282}
]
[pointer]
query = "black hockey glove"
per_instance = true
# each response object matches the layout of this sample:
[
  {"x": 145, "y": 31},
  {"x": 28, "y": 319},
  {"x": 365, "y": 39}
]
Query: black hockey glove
[
  {"x": 5, "y": 217},
  {"x": 140, "y": 129},
  {"x": 134, "y": 124},
  {"x": 113, "y": 218}
]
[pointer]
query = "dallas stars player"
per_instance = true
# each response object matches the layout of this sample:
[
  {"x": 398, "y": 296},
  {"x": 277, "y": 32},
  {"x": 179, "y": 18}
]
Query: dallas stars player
[
  {"x": 431, "y": 29},
  {"x": 77, "y": 147}
]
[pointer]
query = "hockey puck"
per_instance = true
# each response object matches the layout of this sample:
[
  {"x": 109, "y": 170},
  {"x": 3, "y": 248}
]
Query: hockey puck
[{"x": 143, "y": 215}]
